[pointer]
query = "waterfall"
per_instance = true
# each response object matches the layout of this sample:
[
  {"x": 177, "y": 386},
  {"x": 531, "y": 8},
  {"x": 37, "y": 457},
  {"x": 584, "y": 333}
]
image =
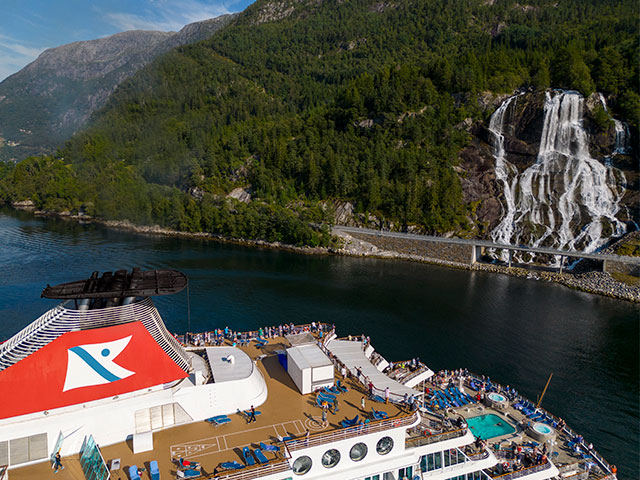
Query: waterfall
[
  {"x": 622, "y": 137},
  {"x": 566, "y": 199}
]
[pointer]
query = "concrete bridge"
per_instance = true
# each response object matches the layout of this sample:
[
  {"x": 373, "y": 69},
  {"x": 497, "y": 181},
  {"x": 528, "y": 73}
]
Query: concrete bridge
[{"x": 470, "y": 251}]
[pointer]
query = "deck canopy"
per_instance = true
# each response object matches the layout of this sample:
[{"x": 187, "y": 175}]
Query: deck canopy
[{"x": 120, "y": 284}]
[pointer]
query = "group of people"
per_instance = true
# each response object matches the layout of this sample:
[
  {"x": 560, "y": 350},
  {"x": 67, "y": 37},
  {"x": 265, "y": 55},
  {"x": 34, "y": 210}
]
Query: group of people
[{"x": 218, "y": 336}]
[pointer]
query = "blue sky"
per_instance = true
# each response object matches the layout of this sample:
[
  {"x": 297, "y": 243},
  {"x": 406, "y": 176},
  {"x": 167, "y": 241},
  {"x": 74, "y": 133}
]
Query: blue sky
[{"x": 28, "y": 27}]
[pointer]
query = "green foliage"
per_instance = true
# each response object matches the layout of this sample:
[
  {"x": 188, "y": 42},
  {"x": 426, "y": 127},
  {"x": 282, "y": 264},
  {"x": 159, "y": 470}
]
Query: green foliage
[{"x": 339, "y": 100}]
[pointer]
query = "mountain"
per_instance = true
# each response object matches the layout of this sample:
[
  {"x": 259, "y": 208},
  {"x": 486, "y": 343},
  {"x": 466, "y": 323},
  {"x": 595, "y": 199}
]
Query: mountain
[
  {"x": 299, "y": 107},
  {"x": 53, "y": 96}
]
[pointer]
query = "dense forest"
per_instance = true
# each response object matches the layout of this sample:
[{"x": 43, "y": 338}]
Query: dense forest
[{"x": 302, "y": 103}]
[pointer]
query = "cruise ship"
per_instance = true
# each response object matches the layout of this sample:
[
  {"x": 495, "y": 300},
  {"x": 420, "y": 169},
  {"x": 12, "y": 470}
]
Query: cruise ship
[{"x": 100, "y": 380}]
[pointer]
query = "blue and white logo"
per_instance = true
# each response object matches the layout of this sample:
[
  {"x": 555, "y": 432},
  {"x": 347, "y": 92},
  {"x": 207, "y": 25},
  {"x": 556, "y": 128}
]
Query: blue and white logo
[{"x": 92, "y": 364}]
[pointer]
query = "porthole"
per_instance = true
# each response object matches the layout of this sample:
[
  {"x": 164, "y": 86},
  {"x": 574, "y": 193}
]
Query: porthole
[
  {"x": 384, "y": 445},
  {"x": 330, "y": 458},
  {"x": 302, "y": 465},
  {"x": 358, "y": 452}
]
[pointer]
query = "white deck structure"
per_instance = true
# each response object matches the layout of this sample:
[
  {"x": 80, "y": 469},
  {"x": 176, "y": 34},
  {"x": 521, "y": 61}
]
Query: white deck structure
[{"x": 350, "y": 353}]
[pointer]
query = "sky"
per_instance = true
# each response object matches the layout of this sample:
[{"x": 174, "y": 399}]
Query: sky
[{"x": 28, "y": 27}]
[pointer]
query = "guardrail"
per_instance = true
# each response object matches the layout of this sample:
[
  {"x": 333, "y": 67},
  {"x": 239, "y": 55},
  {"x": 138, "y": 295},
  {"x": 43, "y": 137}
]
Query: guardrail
[
  {"x": 438, "y": 437},
  {"x": 350, "y": 432}
]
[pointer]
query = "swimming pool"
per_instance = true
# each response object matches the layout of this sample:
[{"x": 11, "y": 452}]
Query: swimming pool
[{"x": 489, "y": 426}]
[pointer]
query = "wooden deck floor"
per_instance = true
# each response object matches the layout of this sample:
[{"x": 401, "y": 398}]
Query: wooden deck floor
[{"x": 285, "y": 413}]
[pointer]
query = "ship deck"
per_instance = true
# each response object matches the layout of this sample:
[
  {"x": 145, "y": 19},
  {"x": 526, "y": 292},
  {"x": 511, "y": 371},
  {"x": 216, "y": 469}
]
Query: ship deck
[{"x": 286, "y": 413}]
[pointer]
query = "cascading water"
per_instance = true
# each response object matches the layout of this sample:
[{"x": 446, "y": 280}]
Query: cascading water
[{"x": 566, "y": 199}]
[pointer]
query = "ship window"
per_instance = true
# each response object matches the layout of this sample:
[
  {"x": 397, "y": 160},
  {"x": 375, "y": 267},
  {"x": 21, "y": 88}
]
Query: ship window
[
  {"x": 330, "y": 458},
  {"x": 405, "y": 472},
  {"x": 432, "y": 461},
  {"x": 302, "y": 465},
  {"x": 384, "y": 445},
  {"x": 358, "y": 452}
]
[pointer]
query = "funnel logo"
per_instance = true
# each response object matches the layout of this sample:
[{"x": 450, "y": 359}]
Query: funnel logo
[{"x": 93, "y": 364}]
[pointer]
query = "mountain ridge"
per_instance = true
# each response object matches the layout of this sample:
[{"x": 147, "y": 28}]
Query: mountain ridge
[{"x": 45, "y": 102}]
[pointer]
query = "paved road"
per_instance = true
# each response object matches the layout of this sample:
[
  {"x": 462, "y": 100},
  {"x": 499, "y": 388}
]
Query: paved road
[{"x": 488, "y": 244}]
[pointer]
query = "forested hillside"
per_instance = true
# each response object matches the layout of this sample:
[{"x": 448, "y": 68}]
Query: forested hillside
[{"x": 303, "y": 103}]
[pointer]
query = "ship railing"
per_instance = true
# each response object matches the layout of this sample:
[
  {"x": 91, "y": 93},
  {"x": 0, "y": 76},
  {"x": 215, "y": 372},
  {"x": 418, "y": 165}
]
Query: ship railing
[
  {"x": 438, "y": 437},
  {"x": 521, "y": 473},
  {"x": 477, "y": 456},
  {"x": 323, "y": 438},
  {"x": 250, "y": 473}
]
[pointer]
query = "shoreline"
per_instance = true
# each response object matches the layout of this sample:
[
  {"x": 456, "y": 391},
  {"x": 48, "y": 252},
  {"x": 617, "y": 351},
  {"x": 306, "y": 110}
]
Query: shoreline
[{"x": 596, "y": 283}]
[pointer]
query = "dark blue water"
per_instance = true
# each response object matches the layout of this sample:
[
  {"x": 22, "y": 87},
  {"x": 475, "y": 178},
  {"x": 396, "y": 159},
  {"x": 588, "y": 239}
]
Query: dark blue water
[{"x": 514, "y": 330}]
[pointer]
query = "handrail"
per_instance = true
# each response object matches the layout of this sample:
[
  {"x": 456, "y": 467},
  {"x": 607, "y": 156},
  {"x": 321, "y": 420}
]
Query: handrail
[
  {"x": 523, "y": 472},
  {"x": 438, "y": 437},
  {"x": 322, "y": 438},
  {"x": 475, "y": 457}
]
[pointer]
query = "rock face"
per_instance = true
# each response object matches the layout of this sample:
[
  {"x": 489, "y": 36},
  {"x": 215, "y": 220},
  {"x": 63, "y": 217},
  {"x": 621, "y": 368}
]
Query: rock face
[
  {"x": 52, "y": 97},
  {"x": 580, "y": 161}
]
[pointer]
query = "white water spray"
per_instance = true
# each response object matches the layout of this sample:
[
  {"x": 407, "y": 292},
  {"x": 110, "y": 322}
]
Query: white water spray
[{"x": 566, "y": 200}]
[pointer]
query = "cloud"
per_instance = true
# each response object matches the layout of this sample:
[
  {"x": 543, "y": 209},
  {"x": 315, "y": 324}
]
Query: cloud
[
  {"x": 166, "y": 15},
  {"x": 14, "y": 56}
]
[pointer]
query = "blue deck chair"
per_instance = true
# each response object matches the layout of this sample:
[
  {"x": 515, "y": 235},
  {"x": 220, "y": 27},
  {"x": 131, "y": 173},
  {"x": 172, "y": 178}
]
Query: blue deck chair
[
  {"x": 269, "y": 448},
  {"x": 260, "y": 456},
  {"x": 377, "y": 398},
  {"x": 342, "y": 387},
  {"x": 326, "y": 393},
  {"x": 154, "y": 471},
  {"x": 133, "y": 472},
  {"x": 379, "y": 415},
  {"x": 248, "y": 458},
  {"x": 218, "y": 420},
  {"x": 190, "y": 473},
  {"x": 188, "y": 464},
  {"x": 232, "y": 465},
  {"x": 332, "y": 390}
]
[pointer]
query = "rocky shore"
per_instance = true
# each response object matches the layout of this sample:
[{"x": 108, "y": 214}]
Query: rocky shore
[{"x": 598, "y": 283}]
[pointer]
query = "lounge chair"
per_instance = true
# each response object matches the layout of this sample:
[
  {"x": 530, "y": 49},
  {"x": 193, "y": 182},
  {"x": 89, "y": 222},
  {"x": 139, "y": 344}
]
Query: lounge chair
[
  {"x": 332, "y": 390},
  {"x": 377, "y": 398},
  {"x": 378, "y": 415},
  {"x": 341, "y": 387},
  {"x": 218, "y": 420},
  {"x": 133, "y": 472},
  {"x": 326, "y": 393},
  {"x": 154, "y": 471},
  {"x": 247, "y": 413},
  {"x": 232, "y": 465},
  {"x": 269, "y": 448},
  {"x": 260, "y": 456},
  {"x": 188, "y": 464},
  {"x": 248, "y": 458}
]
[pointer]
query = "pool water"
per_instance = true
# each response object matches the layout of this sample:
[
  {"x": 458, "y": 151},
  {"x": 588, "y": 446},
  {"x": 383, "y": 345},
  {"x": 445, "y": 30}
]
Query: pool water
[
  {"x": 542, "y": 428},
  {"x": 489, "y": 426}
]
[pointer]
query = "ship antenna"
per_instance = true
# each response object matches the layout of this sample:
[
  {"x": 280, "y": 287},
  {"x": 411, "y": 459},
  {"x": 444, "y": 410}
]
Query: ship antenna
[{"x": 543, "y": 391}]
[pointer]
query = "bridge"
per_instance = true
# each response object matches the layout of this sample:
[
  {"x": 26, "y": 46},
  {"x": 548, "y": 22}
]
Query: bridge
[{"x": 475, "y": 249}]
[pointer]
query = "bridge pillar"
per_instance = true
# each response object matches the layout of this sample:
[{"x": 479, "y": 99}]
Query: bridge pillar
[
  {"x": 476, "y": 253},
  {"x": 510, "y": 257},
  {"x": 561, "y": 262}
]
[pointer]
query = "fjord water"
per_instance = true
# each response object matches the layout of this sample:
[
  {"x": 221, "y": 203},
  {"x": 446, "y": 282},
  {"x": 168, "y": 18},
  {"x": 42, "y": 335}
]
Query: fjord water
[{"x": 516, "y": 331}]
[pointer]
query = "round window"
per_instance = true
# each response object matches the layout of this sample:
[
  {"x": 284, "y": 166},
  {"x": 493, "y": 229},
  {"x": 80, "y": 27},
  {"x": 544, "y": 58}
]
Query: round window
[
  {"x": 302, "y": 465},
  {"x": 358, "y": 452},
  {"x": 384, "y": 445},
  {"x": 330, "y": 458}
]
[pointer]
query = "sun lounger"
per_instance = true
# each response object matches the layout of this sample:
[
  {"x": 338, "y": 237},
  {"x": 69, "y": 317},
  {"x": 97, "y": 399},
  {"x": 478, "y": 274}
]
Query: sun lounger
[
  {"x": 133, "y": 473},
  {"x": 378, "y": 415},
  {"x": 232, "y": 465},
  {"x": 260, "y": 456},
  {"x": 342, "y": 387},
  {"x": 332, "y": 390},
  {"x": 269, "y": 448},
  {"x": 154, "y": 471},
  {"x": 247, "y": 414},
  {"x": 248, "y": 458},
  {"x": 218, "y": 420},
  {"x": 326, "y": 393},
  {"x": 377, "y": 398},
  {"x": 188, "y": 464}
]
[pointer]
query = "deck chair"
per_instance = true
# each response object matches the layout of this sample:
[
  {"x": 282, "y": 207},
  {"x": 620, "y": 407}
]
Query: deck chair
[
  {"x": 154, "y": 471},
  {"x": 232, "y": 465},
  {"x": 341, "y": 387},
  {"x": 218, "y": 420},
  {"x": 332, "y": 390},
  {"x": 269, "y": 448},
  {"x": 327, "y": 393},
  {"x": 260, "y": 456},
  {"x": 379, "y": 415},
  {"x": 188, "y": 464},
  {"x": 133, "y": 472},
  {"x": 248, "y": 458}
]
